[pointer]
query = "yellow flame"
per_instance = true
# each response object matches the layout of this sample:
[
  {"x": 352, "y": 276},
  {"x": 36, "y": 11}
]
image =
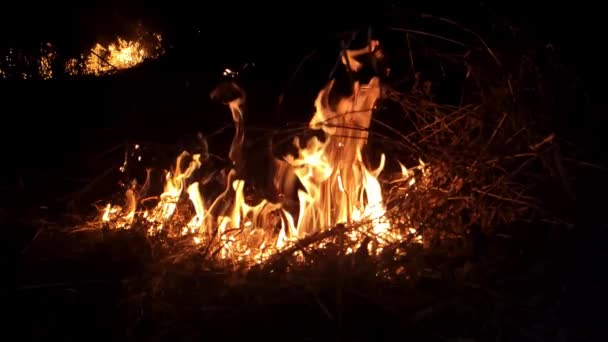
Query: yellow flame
[
  {"x": 173, "y": 189},
  {"x": 196, "y": 223},
  {"x": 121, "y": 54}
]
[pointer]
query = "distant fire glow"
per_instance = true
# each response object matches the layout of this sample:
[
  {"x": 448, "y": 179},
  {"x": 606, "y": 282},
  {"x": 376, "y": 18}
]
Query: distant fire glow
[
  {"x": 47, "y": 58},
  {"x": 101, "y": 59},
  {"x": 122, "y": 54}
]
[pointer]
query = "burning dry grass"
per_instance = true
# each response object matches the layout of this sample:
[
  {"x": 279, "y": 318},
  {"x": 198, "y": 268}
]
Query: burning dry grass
[
  {"x": 118, "y": 55},
  {"x": 101, "y": 59},
  {"x": 486, "y": 171},
  {"x": 472, "y": 176},
  {"x": 478, "y": 186},
  {"x": 477, "y": 179},
  {"x": 480, "y": 167}
]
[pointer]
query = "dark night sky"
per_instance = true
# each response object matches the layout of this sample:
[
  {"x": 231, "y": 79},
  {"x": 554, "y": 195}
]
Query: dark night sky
[
  {"x": 233, "y": 31},
  {"x": 70, "y": 20},
  {"x": 572, "y": 26},
  {"x": 272, "y": 31},
  {"x": 260, "y": 27}
]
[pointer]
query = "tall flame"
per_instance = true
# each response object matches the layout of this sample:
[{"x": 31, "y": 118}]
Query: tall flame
[{"x": 338, "y": 186}]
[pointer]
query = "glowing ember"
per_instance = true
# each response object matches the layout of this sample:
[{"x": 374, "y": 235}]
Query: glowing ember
[
  {"x": 45, "y": 66},
  {"x": 337, "y": 189},
  {"x": 73, "y": 66}
]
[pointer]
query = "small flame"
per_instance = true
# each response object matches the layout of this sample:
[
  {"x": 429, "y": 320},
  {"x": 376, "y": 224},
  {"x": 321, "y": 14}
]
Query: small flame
[
  {"x": 106, "y": 213},
  {"x": 196, "y": 223},
  {"x": 119, "y": 55},
  {"x": 404, "y": 171}
]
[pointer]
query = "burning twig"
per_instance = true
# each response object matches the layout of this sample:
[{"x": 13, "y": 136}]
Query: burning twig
[
  {"x": 103, "y": 60},
  {"x": 302, "y": 244}
]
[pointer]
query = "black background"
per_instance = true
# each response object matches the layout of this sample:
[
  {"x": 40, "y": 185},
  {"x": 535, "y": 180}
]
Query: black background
[
  {"x": 53, "y": 125},
  {"x": 48, "y": 130}
]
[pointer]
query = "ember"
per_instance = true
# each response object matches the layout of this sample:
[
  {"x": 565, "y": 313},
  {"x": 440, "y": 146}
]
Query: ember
[{"x": 47, "y": 57}]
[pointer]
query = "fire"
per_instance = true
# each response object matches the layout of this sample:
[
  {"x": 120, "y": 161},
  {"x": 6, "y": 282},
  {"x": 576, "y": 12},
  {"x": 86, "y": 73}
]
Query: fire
[
  {"x": 337, "y": 189},
  {"x": 338, "y": 186},
  {"x": 122, "y": 55},
  {"x": 119, "y": 55},
  {"x": 47, "y": 57}
]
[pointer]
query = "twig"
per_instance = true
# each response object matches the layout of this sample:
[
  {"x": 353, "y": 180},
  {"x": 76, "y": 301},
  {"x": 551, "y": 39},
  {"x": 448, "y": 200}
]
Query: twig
[
  {"x": 548, "y": 139},
  {"x": 341, "y": 54},
  {"x": 104, "y": 60},
  {"x": 407, "y": 36},
  {"x": 521, "y": 167},
  {"x": 467, "y": 30},
  {"x": 427, "y": 34},
  {"x": 587, "y": 164},
  {"x": 516, "y": 134},
  {"x": 502, "y": 119},
  {"x": 27, "y": 247},
  {"x": 305, "y": 242},
  {"x": 398, "y": 133},
  {"x": 79, "y": 193},
  {"x": 293, "y": 76},
  {"x": 108, "y": 151},
  {"x": 503, "y": 198}
]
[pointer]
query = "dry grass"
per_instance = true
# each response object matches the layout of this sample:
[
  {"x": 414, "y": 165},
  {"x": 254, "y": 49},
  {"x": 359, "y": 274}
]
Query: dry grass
[{"x": 496, "y": 178}]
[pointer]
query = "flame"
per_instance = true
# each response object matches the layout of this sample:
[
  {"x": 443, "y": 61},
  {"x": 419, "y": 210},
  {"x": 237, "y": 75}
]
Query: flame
[
  {"x": 119, "y": 55},
  {"x": 45, "y": 65},
  {"x": 196, "y": 223},
  {"x": 337, "y": 188},
  {"x": 122, "y": 55},
  {"x": 173, "y": 190}
]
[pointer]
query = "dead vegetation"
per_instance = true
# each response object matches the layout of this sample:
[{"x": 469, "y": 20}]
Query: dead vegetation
[{"x": 496, "y": 186}]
